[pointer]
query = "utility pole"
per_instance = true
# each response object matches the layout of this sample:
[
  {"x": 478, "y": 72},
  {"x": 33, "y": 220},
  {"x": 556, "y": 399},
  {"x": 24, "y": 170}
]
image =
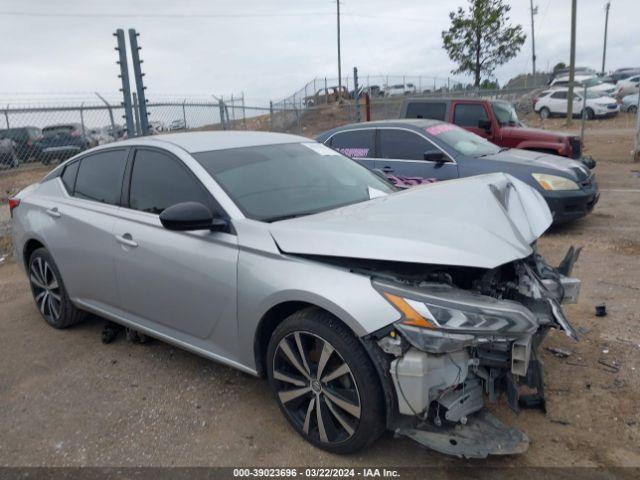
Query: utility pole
[
  {"x": 339, "y": 60},
  {"x": 606, "y": 24},
  {"x": 533, "y": 40},
  {"x": 572, "y": 63}
]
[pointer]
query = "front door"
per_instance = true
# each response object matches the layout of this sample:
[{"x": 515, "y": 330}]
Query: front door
[
  {"x": 357, "y": 144},
  {"x": 401, "y": 156},
  {"x": 181, "y": 281}
]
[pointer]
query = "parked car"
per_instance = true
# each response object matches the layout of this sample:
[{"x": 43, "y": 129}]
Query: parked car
[
  {"x": 26, "y": 142},
  {"x": 630, "y": 103},
  {"x": 554, "y": 103},
  {"x": 628, "y": 86},
  {"x": 564, "y": 72},
  {"x": 434, "y": 150},
  {"x": 8, "y": 157},
  {"x": 400, "y": 89},
  {"x": 498, "y": 122},
  {"x": 593, "y": 83},
  {"x": 177, "y": 124},
  {"x": 62, "y": 141},
  {"x": 374, "y": 91},
  {"x": 100, "y": 136},
  {"x": 366, "y": 308},
  {"x": 623, "y": 73}
]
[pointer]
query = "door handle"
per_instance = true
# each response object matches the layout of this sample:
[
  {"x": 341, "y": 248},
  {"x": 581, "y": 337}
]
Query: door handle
[
  {"x": 127, "y": 240},
  {"x": 53, "y": 212},
  {"x": 387, "y": 169}
]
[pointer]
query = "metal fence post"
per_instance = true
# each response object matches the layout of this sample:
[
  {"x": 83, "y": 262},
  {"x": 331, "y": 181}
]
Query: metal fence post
[
  {"x": 6, "y": 116},
  {"x": 184, "y": 114},
  {"x": 137, "y": 72},
  {"x": 356, "y": 93},
  {"x": 113, "y": 124},
  {"x": 82, "y": 118},
  {"x": 244, "y": 115},
  {"x": 124, "y": 76},
  {"x": 326, "y": 91},
  {"x": 271, "y": 115},
  {"x": 584, "y": 114},
  {"x": 136, "y": 114}
]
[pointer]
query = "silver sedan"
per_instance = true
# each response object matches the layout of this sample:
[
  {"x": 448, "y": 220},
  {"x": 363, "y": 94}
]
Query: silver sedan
[{"x": 365, "y": 307}]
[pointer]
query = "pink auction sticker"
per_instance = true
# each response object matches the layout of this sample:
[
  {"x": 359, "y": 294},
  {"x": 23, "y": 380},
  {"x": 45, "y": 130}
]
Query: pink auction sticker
[{"x": 438, "y": 129}]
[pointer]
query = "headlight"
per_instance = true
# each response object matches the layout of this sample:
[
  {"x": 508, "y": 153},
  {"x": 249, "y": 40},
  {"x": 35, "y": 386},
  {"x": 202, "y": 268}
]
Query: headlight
[
  {"x": 458, "y": 311},
  {"x": 553, "y": 182}
]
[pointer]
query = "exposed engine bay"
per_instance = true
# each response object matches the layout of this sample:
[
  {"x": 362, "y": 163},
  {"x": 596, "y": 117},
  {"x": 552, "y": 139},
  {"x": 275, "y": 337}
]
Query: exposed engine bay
[{"x": 468, "y": 336}]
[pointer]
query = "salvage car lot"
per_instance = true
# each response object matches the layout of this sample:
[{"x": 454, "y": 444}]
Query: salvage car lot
[{"x": 65, "y": 398}]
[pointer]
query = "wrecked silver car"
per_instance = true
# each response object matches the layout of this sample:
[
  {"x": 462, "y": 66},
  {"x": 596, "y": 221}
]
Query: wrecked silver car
[{"x": 367, "y": 308}]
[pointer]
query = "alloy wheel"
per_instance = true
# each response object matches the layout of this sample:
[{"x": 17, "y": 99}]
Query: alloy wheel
[
  {"x": 316, "y": 387},
  {"x": 46, "y": 288}
]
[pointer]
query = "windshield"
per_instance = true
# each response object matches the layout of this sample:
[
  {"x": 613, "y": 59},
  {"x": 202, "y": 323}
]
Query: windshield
[
  {"x": 274, "y": 182},
  {"x": 463, "y": 141},
  {"x": 52, "y": 131},
  {"x": 505, "y": 113},
  {"x": 591, "y": 82}
]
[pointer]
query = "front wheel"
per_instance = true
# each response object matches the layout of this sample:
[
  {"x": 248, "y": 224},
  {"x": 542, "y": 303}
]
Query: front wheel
[
  {"x": 325, "y": 383},
  {"x": 545, "y": 113},
  {"x": 632, "y": 109},
  {"x": 590, "y": 114}
]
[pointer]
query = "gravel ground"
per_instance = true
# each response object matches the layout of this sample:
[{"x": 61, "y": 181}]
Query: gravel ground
[{"x": 67, "y": 399}]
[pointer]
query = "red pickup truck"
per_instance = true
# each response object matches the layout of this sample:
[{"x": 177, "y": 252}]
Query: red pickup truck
[{"x": 497, "y": 121}]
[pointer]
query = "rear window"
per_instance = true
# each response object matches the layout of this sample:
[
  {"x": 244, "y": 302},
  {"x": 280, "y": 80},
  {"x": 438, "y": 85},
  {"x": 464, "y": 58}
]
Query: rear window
[
  {"x": 354, "y": 143},
  {"x": 100, "y": 176},
  {"x": 431, "y": 110},
  {"x": 51, "y": 131}
]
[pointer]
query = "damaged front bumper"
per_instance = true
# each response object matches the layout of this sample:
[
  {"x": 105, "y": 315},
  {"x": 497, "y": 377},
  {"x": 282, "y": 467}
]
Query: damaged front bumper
[{"x": 455, "y": 348}]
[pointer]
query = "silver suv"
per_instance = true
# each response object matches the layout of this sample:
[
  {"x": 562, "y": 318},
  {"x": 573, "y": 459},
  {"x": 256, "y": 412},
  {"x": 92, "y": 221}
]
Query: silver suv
[{"x": 367, "y": 308}]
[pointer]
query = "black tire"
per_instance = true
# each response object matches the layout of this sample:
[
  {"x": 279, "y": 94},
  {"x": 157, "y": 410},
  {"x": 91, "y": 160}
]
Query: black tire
[
  {"x": 315, "y": 328},
  {"x": 590, "y": 114},
  {"x": 632, "y": 109},
  {"x": 545, "y": 113},
  {"x": 50, "y": 293}
]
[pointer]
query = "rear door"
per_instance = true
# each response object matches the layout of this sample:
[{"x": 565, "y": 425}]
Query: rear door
[
  {"x": 171, "y": 281},
  {"x": 401, "y": 154},
  {"x": 82, "y": 241},
  {"x": 558, "y": 102},
  {"x": 469, "y": 116},
  {"x": 357, "y": 144}
]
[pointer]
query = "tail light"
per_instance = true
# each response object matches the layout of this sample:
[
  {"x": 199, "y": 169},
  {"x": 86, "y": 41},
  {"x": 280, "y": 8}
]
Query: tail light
[
  {"x": 535, "y": 100},
  {"x": 13, "y": 203},
  {"x": 75, "y": 133}
]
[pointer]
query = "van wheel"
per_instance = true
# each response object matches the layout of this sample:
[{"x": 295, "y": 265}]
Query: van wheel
[
  {"x": 49, "y": 292},
  {"x": 325, "y": 383},
  {"x": 545, "y": 113}
]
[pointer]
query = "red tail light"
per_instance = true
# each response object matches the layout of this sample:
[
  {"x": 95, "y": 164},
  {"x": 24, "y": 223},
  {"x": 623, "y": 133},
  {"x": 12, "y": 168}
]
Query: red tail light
[{"x": 13, "y": 203}]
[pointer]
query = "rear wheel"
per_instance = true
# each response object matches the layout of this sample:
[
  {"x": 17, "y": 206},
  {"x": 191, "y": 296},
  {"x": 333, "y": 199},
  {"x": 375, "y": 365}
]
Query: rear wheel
[
  {"x": 49, "y": 292},
  {"x": 545, "y": 113},
  {"x": 325, "y": 383},
  {"x": 590, "y": 114},
  {"x": 632, "y": 109}
]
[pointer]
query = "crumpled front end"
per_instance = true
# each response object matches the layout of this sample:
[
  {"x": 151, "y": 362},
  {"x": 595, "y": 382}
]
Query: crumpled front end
[{"x": 466, "y": 338}]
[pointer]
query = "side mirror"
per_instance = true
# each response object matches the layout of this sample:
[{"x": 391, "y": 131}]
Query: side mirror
[
  {"x": 190, "y": 216},
  {"x": 484, "y": 124},
  {"x": 431, "y": 156}
]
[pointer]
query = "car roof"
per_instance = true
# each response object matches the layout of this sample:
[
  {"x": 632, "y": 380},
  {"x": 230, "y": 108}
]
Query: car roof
[
  {"x": 412, "y": 123},
  {"x": 194, "y": 142}
]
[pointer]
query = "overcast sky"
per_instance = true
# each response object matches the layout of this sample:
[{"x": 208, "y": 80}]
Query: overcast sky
[{"x": 269, "y": 48}]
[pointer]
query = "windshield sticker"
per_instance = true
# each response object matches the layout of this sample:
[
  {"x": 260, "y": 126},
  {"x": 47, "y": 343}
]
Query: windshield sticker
[
  {"x": 438, "y": 129},
  {"x": 375, "y": 193},
  {"x": 354, "y": 152},
  {"x": 319, "y": 148}
]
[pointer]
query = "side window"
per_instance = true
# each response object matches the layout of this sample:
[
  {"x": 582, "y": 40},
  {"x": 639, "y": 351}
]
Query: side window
[
  {"x": 559, "y": 95},
  {"x": 100, "y": 175},
  {"x": 355, "y": 143},
  {"x": 432, "y": 110},
  {"x": 469, "y": 114},
  {"x": 69, "y": 175},
  {"x": 403, "y": 145},
  {"x": 159, "y": 181}
]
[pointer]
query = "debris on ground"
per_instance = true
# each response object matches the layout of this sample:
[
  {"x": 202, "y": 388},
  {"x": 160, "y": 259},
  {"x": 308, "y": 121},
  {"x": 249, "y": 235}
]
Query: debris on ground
[
  {"x": 612, "y": 367},
  {"x": 601, "y": 310},
  {"x": 559, "y": 352}
]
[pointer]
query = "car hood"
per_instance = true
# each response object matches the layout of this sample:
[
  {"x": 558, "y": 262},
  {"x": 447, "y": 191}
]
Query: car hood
[
  {"x": 537, "y": 134},
  {"x": 482, "y": 221},
  {"x": 570, "y": 168},
  {"x": 603, "y": 100}
]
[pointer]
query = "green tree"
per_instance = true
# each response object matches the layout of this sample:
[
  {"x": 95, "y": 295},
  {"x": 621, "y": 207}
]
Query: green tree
[
  {"x": 481, "y": 39},
  {"x": 559, "y": 66}
]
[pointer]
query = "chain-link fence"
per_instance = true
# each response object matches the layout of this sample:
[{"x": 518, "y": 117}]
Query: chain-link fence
[{"x": 49, "y": 131}]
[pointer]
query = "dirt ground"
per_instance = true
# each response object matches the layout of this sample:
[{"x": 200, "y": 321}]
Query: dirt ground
[{"x": 67, "y": 399}]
